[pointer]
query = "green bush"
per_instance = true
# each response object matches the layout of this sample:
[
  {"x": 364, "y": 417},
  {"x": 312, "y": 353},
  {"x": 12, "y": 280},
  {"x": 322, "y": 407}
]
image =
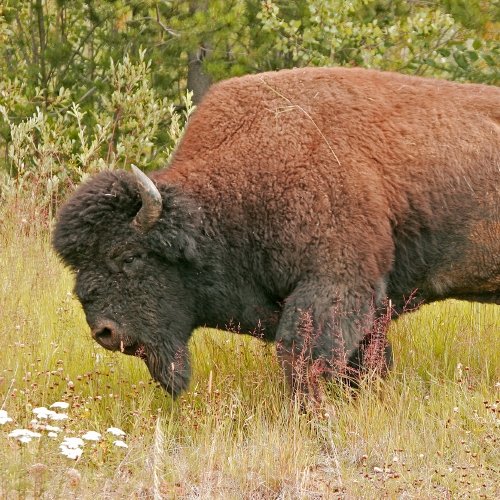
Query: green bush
[
  {"x": 50, "y": 152},
  {"x": 79, "y": 93}
]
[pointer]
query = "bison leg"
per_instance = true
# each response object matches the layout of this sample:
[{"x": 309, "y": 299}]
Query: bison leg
[
  {"x": 326, "y": 332},
  {"x": 373, "y": 355}
]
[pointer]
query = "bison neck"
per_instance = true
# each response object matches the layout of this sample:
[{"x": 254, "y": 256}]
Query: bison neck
[{"x": 230, "y": 298}]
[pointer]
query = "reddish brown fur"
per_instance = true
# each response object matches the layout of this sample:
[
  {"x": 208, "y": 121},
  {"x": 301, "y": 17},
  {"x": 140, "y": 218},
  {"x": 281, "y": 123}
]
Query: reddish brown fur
[
  {"x": 354, "y": 156},
  {"x": 364, "y": 182}
]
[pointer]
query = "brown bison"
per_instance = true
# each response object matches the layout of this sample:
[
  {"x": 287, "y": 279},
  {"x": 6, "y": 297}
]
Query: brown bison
[{"x": 299, "y": 203}]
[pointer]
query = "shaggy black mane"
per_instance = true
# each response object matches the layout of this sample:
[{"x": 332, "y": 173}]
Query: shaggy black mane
[{"x": 102, "y": 209}]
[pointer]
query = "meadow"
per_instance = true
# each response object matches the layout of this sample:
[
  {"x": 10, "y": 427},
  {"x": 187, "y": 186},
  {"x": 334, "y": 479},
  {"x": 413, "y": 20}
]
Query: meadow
[{"x": 430, "y": 430}]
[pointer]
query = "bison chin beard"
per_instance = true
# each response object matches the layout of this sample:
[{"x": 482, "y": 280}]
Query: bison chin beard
[{"x": 172, "y": 375}]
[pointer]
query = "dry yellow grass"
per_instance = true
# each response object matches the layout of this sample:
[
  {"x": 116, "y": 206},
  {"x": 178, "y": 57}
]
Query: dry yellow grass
[{"x": 429, "y": 431}]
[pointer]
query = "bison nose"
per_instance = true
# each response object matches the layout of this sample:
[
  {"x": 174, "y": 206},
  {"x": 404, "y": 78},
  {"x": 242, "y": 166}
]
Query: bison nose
[{"x": 106, "y": 333}]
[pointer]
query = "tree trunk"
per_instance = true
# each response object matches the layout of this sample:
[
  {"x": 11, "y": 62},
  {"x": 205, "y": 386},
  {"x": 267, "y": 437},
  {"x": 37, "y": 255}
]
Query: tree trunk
[
  {"x": 42, "y": 45},
  {"x": 198, "y": 81}
]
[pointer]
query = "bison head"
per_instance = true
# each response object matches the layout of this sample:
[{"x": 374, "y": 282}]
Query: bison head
[{"x": 133, "y": 250}]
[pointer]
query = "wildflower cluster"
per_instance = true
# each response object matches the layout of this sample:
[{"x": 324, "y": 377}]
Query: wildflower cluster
[
  {"x": 24, "y": 435},
  {"x": 71, "y": 446},
  {"x": 43, "y": 413}
]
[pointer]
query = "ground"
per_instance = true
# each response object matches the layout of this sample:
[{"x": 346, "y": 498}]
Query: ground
[{"x": 429, "y": 431}]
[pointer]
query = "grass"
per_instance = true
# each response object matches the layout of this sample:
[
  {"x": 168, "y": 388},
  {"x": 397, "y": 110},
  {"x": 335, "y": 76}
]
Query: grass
[{"x": 429, "y": 431}]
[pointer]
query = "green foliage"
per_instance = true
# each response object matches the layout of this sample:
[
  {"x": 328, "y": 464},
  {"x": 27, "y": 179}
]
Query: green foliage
[
  {"x": 50, "y": 152},
  {"x": 87, "y": 85},
  {"x": 408, "y": 37}
]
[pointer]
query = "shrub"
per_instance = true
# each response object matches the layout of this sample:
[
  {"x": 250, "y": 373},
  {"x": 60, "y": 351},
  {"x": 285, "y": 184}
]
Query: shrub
[{"x": 51, "y": 151}]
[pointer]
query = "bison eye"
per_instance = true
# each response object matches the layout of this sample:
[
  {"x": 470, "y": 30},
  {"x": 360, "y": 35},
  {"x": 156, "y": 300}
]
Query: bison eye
[{"x": 129, "y": 263}]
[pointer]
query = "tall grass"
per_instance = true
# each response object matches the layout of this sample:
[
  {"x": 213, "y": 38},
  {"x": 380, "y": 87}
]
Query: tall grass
[{"x": 429, "y": 431}]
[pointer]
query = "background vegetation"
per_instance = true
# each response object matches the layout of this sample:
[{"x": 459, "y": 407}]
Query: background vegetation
[
  {"x": 87, "y": 85},
  {"x": 429, "y": 431}
]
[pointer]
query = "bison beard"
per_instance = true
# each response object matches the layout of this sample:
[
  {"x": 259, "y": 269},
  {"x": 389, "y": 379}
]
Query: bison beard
[
  {"x": 349, "y": 195},
  {"x": 172, "y": 376}
]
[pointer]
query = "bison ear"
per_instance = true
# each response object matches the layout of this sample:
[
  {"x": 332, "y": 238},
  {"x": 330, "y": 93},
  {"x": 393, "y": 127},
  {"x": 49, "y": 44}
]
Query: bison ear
[
  {"x": 175, "y": 246},
  {"x": 167, "y": 219},
  {"x": 176, "y": 235}
]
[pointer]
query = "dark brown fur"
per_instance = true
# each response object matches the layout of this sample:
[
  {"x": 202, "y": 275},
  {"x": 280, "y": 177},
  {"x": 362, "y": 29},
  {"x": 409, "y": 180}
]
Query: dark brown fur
[{"x": 324, "y": 192}]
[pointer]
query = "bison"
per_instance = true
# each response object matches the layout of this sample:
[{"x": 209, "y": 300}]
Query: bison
[{"x": 299, "y": 203}]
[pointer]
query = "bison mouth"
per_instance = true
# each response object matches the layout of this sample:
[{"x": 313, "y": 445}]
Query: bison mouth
[
  {"x": 136, "y": 349},
  {"x": 167, "y": 361},
  {"x": 173, "y": 376}
]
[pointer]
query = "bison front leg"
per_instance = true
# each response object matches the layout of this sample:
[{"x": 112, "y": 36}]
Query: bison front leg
[
  {"x": 325, "y": 331},
  {"x": 372, "y": 356},
  {"x": 303, "y": 370}
]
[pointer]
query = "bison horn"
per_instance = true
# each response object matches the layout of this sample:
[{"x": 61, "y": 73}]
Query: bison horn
[{"x": 151, "y": 202}]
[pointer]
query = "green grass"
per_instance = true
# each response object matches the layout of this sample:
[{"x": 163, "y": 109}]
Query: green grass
[{"x": 429, "y": 431}]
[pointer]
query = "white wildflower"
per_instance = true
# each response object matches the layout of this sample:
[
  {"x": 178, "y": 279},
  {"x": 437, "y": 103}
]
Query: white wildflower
[
  {"x": 52, "y": 434},
  {"x": 58, "y": 416},
  {"x": 24, "y": 435},
  {"x": 23, "y": 432},
  {"x": 72, "y": 453},
  {"x": 4, "y": 417},
  {"x": 52, "y": 428},
  {"x": 60, "y": 404},
  {"x": 120, "y": 443},
  {"x": 72, "y": 442},
  {"x": 71, "y": 447},
  {"x": 115, "y": 431},
  {"x": 42, "y": 412},
  {"x": 92, "y": 436}
]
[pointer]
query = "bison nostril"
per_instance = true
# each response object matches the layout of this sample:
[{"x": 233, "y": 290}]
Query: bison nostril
[
  {"x": 107, "y": 337},
  {"x": 104, "y": 335}
]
